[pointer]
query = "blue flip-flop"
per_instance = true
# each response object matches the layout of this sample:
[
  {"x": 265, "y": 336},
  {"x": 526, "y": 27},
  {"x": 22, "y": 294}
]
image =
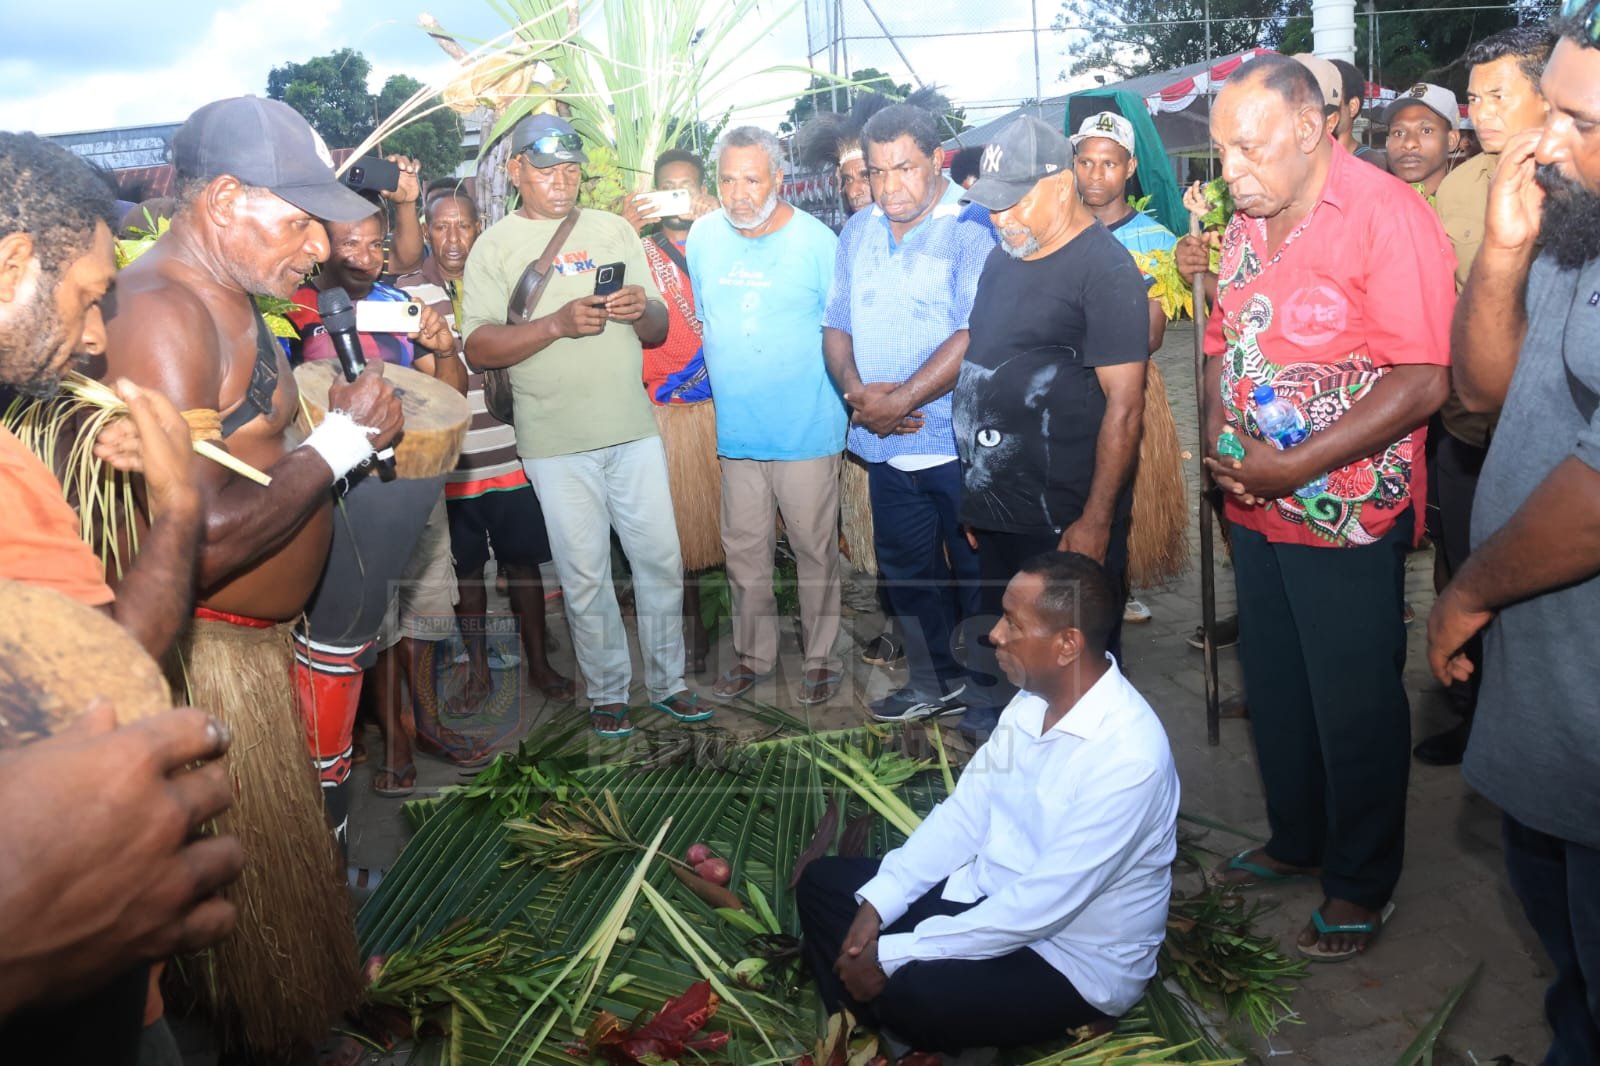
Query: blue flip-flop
[
  {"x": 1262, "y": 874},
  {"x": 616, "y": 730},
  {"x": 684, "y": 706},
  {"x": 1325, "y": 928}
]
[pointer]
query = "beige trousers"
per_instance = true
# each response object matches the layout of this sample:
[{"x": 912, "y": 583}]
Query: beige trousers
[{"x": 806, "y": 493}]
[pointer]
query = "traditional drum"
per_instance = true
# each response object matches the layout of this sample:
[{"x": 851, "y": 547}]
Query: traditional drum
[
  {"x": 436, "y": 416},
  {"x": 46, "y": 644}
]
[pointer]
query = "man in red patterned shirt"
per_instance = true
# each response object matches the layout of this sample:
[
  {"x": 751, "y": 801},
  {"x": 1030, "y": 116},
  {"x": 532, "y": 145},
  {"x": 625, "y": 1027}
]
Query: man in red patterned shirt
[{"x": 1335, "y": 290}]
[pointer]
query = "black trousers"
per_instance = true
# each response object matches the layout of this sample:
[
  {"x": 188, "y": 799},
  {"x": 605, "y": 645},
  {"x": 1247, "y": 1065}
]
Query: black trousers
[
  {"x": 1000, "y": 556},
  {"x": 1456, "y": 466},
  {"x": 1322, "y": 645},
  {"x": 1558, "y": 882},
  {"x": 939, "y": 1006}
]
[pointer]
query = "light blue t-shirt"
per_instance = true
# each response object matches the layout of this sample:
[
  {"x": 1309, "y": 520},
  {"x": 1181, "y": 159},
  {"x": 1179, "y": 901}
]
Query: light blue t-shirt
[{"x": 761, "y": 299}]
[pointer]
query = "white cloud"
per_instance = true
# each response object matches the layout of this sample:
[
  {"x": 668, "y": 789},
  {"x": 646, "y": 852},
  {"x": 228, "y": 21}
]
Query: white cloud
[{"x": 232, "y": 57}]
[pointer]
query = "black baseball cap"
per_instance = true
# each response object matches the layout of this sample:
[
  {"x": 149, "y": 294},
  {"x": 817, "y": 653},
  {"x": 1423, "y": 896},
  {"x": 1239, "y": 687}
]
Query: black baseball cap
[
  {"x": 547, "y": 141},
  {"x": 266, "y": 143},
  {"x": 1019, "y": 157}
]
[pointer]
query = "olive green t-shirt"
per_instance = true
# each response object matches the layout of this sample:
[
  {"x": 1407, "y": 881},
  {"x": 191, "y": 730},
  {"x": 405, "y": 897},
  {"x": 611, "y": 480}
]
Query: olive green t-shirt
[{"x": 580, "y": 393}]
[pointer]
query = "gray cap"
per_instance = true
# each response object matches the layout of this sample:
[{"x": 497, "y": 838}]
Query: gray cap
[
  {"x": 1017, "y": 159},
  {"x": 1435, "y": 98},
  {"x": 266, "y": 143},
  {"x": 547, "y": 140}
]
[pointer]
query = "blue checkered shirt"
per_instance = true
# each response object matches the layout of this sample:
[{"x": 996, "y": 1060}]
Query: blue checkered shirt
[{"x": 900, "y": 301}]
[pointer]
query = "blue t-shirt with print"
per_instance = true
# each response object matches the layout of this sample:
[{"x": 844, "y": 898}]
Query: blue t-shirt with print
[
  {"x": 1139, "y": 232},
  {"x": 761, "y": 300}
]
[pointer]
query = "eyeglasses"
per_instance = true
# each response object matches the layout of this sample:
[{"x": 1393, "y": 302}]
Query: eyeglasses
[
  {"x": 552, "y": 144},
  {"x": 1574, "y": 9}
]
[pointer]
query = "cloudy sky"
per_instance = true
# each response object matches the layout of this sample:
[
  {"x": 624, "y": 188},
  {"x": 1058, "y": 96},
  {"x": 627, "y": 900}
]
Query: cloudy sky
[{"x": 92, "y": 64}]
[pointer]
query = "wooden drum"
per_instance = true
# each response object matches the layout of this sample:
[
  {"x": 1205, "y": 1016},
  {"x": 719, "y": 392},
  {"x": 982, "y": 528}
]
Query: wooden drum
[
  {"x": 436, "y": 416},
  {"x": 57, "y": 656}
]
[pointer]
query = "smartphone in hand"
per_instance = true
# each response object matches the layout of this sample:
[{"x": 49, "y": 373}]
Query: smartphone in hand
[{"x": 609, "y": 278}]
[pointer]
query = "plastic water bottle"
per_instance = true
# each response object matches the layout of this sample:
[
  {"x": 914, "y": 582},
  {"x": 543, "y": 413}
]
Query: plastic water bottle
[{"x": 1281, "y": 423}]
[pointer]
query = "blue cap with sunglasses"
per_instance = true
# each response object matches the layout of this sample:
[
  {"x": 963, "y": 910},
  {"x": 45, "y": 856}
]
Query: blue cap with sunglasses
[{"x": 547, "y": 141}]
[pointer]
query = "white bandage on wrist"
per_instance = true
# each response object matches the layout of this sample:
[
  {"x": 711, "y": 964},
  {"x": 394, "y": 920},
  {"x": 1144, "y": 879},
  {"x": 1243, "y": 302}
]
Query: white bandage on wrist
[{"x": 342, "y": 443}]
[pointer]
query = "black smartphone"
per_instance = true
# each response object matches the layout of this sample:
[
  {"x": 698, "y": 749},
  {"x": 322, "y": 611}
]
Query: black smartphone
[
  {"x": 370, "y": 172},
  {"x": 609, "y": 278}
]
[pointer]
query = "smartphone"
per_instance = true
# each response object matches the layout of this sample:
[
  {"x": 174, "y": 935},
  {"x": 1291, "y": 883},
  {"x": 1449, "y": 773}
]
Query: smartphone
[
  {"x": 387, "y": 316},
  {"x": 609, "y": 278},
  {"x": 665, "y": 203},
  {"x": 370, "y": 172}
]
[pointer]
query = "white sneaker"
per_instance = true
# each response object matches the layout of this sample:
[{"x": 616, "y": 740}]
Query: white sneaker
[{"x": 1135, "y": 613}]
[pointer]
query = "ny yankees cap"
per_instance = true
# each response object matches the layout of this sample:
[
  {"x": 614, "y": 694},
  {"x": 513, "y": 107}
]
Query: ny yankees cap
[
  {"x": 1107, "y": 124},
  {"x": 265, "y": 143},
  {"x": 1435, "y": 98},
  {"x": 1017, "y": 159}
]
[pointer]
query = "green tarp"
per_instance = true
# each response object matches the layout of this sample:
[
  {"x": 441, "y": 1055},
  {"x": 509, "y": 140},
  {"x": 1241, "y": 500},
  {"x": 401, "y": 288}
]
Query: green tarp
[{"x": 1155, "y": 172}]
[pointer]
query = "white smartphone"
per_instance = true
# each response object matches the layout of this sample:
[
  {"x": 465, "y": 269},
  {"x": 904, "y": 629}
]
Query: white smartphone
[
  {"x": 388, "y": 316},
  {"x": 666, "y": 203}
]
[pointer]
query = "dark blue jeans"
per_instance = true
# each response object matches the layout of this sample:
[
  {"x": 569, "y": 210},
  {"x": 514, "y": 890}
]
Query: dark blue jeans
[
  {"x": 927, "y": 567},
  {"x": 1323, "y": 649},
  {"x": 1558, "y": 883}
]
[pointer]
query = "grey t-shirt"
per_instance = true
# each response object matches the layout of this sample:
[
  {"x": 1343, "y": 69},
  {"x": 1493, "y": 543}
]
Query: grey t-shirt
[{"x": 1535, "y": 748}]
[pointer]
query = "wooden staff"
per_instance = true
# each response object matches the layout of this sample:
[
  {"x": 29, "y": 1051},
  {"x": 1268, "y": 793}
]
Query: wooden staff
[{"x": 1208, "y": 570}]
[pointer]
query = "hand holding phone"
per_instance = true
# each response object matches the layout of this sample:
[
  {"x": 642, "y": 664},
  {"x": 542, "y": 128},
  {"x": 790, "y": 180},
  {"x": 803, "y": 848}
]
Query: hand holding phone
[
  {"x": 610, "y": 278},
  {"x": 388, "y": 316},
  {"x": 664, "y": 203}
]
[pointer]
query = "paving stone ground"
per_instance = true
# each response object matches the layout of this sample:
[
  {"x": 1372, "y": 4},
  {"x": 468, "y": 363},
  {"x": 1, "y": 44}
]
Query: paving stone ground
[{"x": 1454, "y": 909}]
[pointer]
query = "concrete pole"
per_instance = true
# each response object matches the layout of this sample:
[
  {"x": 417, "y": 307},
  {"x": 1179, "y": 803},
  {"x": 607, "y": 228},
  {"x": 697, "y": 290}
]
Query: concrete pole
[{"x": 1333, "y": 28}]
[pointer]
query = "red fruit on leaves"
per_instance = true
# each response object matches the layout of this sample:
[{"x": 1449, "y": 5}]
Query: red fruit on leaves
[
  {"x": 717, "y": 871},
  {"x": 697, "y": 854}
]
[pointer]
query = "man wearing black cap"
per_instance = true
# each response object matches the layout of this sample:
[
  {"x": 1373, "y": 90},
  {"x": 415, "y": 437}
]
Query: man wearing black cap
[
  {"x": 1050, "y": 401},
  {"x": 254, "y": 183},
  {"x": 587, "y": 438}
]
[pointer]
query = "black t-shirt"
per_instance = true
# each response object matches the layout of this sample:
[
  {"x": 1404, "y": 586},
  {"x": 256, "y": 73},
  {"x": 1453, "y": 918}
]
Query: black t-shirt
[{"x": 1028, "y": 406}]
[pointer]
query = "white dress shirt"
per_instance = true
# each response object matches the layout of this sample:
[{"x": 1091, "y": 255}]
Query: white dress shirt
[{"x": 1067, "y": 838}]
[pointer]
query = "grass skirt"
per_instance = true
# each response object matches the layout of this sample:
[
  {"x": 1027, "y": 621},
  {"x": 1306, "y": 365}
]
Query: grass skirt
[{"x": 290, "y": 970}]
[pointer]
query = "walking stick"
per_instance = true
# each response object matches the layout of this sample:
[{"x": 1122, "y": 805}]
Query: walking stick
[{"x": 1208, "y": 572}]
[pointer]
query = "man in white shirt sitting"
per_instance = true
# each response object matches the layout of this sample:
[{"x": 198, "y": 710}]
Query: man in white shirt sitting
[{"x": 1034, "y": 899}]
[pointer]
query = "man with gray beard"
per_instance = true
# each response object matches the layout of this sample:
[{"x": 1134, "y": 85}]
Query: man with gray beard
[
  {"x": 760, "y": 272},
  {"x": 1526, "y": 339},
  {"x": 1050, "y": 402}
]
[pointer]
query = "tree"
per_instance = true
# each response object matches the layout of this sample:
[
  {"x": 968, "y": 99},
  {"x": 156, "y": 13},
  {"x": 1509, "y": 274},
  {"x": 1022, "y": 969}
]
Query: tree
[
  {"x": 1133, "y": 37},
  {"x": 433, "y": 141},
  {"x": 825, "y": 94},
  {"x": 1414, "y": 45},
  {"x": 331, "y": 92}
]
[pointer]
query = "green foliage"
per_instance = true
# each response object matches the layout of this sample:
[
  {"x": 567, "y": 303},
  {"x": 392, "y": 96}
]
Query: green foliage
[
  {"x": 827, "y": 94},
  {"x": 1419, "y": 45},
  {"x": 331, "y": 92},
  {"x": 1133, "y": 37},
  {"x": 433, "y": 140}
]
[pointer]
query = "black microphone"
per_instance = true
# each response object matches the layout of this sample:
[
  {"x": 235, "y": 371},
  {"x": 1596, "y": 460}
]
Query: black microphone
[{"x": 339, "y": 319}]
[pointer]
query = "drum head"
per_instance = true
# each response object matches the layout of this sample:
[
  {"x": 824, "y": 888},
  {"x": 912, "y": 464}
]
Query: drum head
[
  {"x": 436, "y": 415},
  {"x": 58, "y": 656}
]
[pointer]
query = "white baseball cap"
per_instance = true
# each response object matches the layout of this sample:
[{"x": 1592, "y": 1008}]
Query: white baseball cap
[
  {"x": 1435, "y": 98},
  {"x": 1107, "y": 124}
]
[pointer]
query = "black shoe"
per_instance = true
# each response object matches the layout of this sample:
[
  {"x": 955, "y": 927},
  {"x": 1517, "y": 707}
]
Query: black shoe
[
  {"x": 1447, "y": 748},
  {"x": 903, "y": 705},
  {"x": 1227, "y": 635},
  {"x": 884, "y": 650}
]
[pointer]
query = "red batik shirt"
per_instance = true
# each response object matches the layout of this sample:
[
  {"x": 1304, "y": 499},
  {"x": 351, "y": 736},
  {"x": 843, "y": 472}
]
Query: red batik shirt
[{"x": 1363, "y": 284}]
